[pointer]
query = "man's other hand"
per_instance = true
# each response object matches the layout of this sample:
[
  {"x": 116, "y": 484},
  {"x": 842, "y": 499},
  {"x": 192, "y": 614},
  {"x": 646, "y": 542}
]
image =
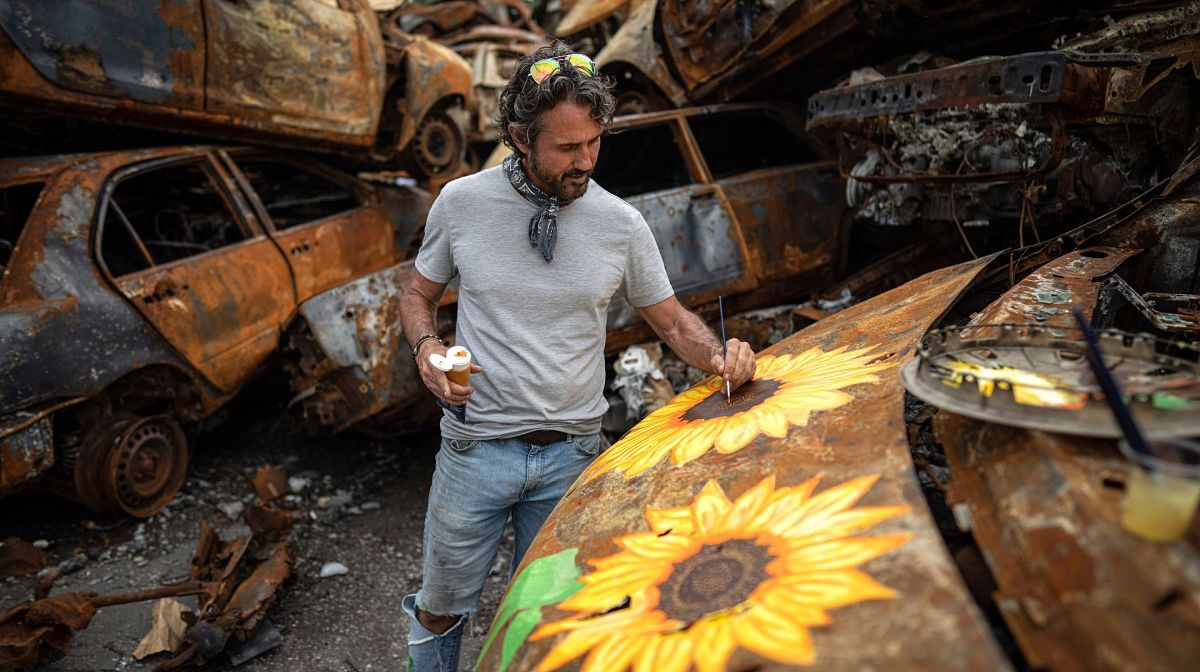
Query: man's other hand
[{"x": 435, "y": 379}]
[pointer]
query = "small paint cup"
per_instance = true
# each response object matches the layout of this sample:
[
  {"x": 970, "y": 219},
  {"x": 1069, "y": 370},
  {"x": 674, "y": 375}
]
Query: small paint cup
[
  {"x": 456, "y": 363},
  {"x": 1163, "y": 489}
]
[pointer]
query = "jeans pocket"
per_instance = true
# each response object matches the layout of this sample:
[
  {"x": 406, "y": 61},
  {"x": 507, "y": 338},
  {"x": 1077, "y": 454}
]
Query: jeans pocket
[
  {"x": 461, "y": 445},
  {"x": 589, "y": 445}
]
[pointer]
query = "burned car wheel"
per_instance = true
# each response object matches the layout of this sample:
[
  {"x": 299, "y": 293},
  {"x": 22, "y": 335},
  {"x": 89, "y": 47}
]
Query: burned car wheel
[
  {"x": 439, "y": 145},
  {"x": 134, "y": 466}
]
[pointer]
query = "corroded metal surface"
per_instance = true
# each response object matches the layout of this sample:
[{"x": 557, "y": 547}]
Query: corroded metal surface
[
  {"x": 1047, "y": 296},
  {"x": 1077, "y": 591},
  {"x": 351, "y": 361},
  {"x": 145, "y": 64},
  {"x": 839, "y": 417}
]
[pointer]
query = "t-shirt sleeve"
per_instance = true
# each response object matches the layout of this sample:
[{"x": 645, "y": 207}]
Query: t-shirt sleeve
[
  {"x": 435, "y": 259},
  {"x": 645, "y": 282}
]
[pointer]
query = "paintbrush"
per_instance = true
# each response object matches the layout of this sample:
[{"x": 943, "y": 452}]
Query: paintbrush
[
  {"x": 1112, "y": 391},
  {"x": 724, "y": 348}
]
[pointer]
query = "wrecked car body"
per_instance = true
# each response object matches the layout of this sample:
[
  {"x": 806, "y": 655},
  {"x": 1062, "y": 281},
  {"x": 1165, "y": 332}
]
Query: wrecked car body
[
  {"x": 142, "y": 289},
  {"x": 237, "y": 70}
]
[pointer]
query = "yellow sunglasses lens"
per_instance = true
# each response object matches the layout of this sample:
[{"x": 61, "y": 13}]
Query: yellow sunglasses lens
[
  {"x": 542, "y": 69},
  {"x": 583, "y": 64}
]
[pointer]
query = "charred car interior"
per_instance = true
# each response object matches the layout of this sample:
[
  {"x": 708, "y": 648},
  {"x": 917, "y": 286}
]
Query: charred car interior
[{"x": 200, "y": 201}]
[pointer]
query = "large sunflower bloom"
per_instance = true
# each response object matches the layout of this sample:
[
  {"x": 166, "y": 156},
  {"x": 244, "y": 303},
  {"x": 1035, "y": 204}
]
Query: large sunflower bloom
[
  {"x": 716, "y": 575},
  {"x": 785, "y": 390}
]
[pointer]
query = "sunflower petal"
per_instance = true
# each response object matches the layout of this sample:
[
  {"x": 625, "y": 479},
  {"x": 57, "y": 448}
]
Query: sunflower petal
[
  {"x": 828, "y": 590},
  {"x": 714, "y": 643},
  {"x": 748, "y": 505},
  {"x": 735, "y": 437},
  {"x": 774, "y": 636},
  {"x": 677, "y": 520},
  {"x": 710, "y": 507},
  {"x": 665, "y": 653},
  {"x": 671, "y": 548},
  {"x": 614, "y": 653},
  {"x": 841, "y": 553}
]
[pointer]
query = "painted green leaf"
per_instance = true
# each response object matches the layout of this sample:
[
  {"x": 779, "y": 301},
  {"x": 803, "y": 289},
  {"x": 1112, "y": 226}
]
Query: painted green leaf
[{"x": 544, "y": 581}]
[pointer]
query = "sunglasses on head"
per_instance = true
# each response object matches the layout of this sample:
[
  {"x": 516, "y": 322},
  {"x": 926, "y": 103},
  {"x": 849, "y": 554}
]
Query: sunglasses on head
[{"x": 542, "y": 70}]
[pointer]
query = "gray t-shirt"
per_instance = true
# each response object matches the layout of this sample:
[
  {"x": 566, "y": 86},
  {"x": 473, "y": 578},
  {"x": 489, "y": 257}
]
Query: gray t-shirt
[{"x": 536, "y": 328}]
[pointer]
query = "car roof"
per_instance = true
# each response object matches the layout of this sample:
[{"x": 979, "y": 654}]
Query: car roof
[{"x": 22, "y": 170}]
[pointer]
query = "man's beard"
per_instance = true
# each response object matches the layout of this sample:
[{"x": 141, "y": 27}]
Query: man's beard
[{"x": 557, "y": 185}]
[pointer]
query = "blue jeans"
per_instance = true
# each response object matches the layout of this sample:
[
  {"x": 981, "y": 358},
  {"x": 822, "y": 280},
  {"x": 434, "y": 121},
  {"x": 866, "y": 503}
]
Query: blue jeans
[{"x": 477, "y": 486}]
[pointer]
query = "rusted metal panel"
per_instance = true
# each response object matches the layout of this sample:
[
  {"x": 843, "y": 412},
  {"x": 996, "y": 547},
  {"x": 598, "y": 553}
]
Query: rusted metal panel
[
  {"x": 435, "y": 76},
  {"x": 1027, "y": 78},
  {"x": 264, "y": 63},
  {"x": 793, "y": 220},
  {"x": 24, "y": 453},
  {"x": 727, "y": 46},
  {"x": 146, "y": 51},
  {"x": 21, "y": 81},
  {"x": 325, "y": 253},
  {"x": 634, "y": 46},
  {"x": 222, "y": 310},
  {"x": 1046, "y": 296},
  {"x": 695, "y": 480},
  {"x": 351, "y": 360},
  {"x": 1078, "y": 592}
]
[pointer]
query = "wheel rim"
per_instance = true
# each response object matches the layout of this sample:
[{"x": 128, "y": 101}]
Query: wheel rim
[
  {"x": 135, "y": 467},
  {"x": 437, "y": 144}
]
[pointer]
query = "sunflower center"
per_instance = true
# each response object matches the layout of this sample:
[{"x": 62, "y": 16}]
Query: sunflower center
[
  {"x": 718, "y": 576},
  {"x": 744, "y": 398}
]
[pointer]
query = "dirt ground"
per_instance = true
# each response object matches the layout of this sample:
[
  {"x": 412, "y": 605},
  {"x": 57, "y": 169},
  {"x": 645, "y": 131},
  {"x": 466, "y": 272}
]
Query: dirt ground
[{"x": 376, "y": 493}]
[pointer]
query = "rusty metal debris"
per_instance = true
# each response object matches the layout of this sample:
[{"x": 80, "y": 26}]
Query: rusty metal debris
[
  {"x": 19, "y": 557},
  {"x": 247, "y": 572},
  {"x": 270, "y": 483},
  {"x": 35, "y": 631}
]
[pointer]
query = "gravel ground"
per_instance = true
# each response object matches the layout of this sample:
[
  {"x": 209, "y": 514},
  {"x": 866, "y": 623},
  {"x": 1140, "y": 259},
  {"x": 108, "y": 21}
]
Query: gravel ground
[{"x": 375, "y": 491}]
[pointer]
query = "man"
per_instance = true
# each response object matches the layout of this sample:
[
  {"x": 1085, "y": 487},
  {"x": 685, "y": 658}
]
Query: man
[{"x": 540, "y": 250}]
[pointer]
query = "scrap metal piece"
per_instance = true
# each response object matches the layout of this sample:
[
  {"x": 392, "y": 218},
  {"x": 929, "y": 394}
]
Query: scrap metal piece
[
  {"x": 1047, "y": 296},
  {"x": 351, "y": 363},
  {"x": 248, "y": 571},
  {"x": 35, "y": 631},
  {"x": 866, "y": 435},
  {"x": 1076, "y": 590},
  {"x": 19, "y": 557},
  {"x": 269, "y": 483},
  {"x": 1185, "y": 318}
]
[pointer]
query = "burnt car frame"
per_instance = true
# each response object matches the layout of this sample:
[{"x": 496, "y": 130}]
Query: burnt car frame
[
  {"x": 147, "y": 287},
  {"x": 244, "y": 71}
]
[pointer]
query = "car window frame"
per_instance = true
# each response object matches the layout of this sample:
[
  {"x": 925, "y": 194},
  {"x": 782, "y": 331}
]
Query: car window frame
[
  {"x": 243, "y": 217},
  {"x": 365, "y": 196}
]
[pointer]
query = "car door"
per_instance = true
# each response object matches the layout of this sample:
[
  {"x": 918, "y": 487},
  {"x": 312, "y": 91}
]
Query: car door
[
  {"x": 327, "y": 225},
  {"x": 178, "y": 242},
  {"x": 303, "y": 63},
  {"x": 657, "y": 169}
]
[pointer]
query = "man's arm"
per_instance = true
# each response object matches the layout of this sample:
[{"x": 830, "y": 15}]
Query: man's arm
[
  {"x": 418, "y": 316},
  {"x": 687, "y": 335}
]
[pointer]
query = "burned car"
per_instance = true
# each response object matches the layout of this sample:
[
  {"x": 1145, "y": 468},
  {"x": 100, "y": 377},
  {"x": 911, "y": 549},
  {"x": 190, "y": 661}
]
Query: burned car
[
  {"x": 241, "y": 70},
  {"x": 142, "y": 289}
]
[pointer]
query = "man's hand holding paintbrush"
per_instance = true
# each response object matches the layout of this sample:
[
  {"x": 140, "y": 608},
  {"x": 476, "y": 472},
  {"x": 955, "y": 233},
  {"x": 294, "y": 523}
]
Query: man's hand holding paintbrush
[{"x": 735, "y": 362}]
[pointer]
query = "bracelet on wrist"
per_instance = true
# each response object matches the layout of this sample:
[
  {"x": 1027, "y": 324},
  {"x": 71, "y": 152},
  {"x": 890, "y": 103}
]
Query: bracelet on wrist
[{"x": 416, "y": 349}]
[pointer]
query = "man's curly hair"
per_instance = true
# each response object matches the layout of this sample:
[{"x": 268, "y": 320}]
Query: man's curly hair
[{"x": 522, "y": 102}]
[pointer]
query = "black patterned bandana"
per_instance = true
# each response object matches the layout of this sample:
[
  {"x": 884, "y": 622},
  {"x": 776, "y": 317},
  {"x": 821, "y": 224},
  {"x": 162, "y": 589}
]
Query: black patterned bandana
[{"x": 543, "y": 226}]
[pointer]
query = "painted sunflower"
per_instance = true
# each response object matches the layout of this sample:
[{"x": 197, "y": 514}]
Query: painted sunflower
[
  {"x": 785, "y": 390},
  {"x": 716, "y": 575}
]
